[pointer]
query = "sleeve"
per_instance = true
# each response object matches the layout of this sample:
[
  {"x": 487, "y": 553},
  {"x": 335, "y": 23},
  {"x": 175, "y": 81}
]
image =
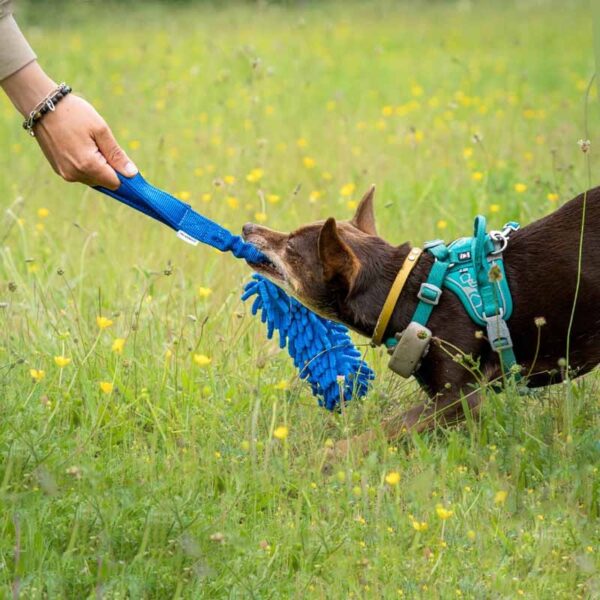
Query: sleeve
[{"x": 15, "y": 52}]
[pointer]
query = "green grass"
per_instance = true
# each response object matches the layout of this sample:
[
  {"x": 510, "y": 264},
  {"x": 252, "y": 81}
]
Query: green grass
[{"x": 173, "y": 485}]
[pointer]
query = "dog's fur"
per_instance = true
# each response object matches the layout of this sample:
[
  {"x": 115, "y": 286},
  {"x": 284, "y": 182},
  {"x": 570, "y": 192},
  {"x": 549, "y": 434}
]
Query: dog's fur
[{"x": 344, "y": 272}]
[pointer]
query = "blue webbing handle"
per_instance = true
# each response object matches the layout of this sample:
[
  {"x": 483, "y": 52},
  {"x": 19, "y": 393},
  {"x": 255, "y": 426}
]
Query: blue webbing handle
[{"x": 137, "y": 193}]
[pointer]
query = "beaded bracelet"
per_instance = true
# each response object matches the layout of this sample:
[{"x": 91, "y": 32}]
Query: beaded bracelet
[{"x": 45, "y": 106}]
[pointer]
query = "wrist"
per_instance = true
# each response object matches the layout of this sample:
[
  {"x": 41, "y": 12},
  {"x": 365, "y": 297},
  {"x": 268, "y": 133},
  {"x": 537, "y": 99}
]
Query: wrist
[{"x": 27, "y": 87}]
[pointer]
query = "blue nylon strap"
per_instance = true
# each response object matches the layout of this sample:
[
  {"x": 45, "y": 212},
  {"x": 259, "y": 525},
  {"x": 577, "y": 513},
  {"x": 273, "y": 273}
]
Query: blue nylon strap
[{"x": 139, "y": 194}]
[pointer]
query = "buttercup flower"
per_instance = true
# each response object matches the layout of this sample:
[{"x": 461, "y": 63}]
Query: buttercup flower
[
  {"x": 443, "y": 513},
  {"x": 202, "y": 360},
  {"x": 520, "y": 188},
  {"x": 281, "y": 432},
  {"x": 204, "y": 292},
  {"x": 37, "y": 374},
  {"x": 106, "y": 387},
  {"x": 103, "y": 322},
  {"x": 254, "y": 175},
  {"x": 117, "y": 345},
  {"x": 62, "y": 361},
  {"x": 347, "y": 189},
  {"x": 42, "y": 213},
  {"x": 392, "y": 478},
  {"x": 500, "y": 497}
]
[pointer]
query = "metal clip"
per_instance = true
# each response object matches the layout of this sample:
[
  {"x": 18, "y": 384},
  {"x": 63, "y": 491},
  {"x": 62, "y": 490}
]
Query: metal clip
[{"x": 498, "y": 333}]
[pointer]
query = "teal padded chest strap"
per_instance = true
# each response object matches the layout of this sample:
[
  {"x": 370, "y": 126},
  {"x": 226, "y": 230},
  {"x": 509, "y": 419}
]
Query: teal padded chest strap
[{"x": 473, "y": 269}]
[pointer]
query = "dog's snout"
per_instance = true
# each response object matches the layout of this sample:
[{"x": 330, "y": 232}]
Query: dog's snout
[{"x": 247, "y": 229}]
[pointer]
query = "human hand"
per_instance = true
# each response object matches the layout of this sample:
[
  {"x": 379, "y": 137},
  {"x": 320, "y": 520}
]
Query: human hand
[
  {"x": 80, "y": 146},
  {"x": 74, "y": 138}
]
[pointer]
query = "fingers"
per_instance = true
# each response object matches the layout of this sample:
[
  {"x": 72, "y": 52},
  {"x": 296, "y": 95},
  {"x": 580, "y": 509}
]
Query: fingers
[{"x": 113, "y": 153}]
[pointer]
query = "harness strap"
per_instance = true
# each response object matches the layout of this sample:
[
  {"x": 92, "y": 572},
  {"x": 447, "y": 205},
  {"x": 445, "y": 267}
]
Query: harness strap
[
  {"x": 390, "y": 302},
  {"x": 431, "y": 291}
]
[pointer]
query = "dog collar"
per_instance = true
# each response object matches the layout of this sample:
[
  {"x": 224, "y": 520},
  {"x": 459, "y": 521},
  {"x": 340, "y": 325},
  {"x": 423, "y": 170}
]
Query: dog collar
[{"x": 392, "y": 298}]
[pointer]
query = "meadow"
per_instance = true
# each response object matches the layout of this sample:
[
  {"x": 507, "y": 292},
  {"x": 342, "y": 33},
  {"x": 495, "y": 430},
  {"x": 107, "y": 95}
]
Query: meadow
[{"x": 153, "y": 442}]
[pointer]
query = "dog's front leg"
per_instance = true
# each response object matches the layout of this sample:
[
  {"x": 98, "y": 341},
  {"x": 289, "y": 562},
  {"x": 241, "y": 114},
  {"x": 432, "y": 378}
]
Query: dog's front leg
[{"x": 450, "y": 386}]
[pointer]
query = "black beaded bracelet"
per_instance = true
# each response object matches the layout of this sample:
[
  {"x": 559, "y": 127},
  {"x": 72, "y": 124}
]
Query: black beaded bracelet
[{"x": 45, "y": 106}]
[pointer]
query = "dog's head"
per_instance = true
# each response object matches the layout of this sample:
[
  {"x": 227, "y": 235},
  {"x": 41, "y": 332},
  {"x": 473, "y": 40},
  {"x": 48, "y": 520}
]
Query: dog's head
[{"x": 329, "y": 266}]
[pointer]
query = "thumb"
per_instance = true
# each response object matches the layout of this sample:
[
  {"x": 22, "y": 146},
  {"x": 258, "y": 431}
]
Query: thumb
[{"x": 113, "y": 153}]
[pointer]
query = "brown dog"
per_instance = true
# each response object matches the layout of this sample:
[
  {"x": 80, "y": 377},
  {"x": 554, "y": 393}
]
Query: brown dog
[{"x": 344, "y": 271}]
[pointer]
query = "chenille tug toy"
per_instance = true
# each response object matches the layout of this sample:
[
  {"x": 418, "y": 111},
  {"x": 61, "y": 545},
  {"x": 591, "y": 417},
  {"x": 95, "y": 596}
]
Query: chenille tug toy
[{"x": 322, "y": 350}]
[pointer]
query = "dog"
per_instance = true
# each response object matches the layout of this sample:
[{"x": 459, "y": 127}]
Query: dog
[{"x": 344, "y": 271}]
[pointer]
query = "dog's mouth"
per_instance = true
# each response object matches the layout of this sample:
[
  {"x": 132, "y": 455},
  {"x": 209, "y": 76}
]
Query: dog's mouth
[
  {"x": 271, "y": 267},
  {"x": 270, "y": 270}
]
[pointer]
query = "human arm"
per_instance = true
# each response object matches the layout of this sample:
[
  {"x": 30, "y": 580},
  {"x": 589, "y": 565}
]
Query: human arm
[{"x": 74, "y": 138}]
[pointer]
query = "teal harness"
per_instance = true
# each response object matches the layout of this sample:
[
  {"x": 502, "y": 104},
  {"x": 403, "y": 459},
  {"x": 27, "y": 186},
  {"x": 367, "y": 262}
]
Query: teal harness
[{"x": 473, "y": 269}]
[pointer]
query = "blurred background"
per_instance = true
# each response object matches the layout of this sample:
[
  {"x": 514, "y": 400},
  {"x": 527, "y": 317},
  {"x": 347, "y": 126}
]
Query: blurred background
[{"x": 168, "y": 482}]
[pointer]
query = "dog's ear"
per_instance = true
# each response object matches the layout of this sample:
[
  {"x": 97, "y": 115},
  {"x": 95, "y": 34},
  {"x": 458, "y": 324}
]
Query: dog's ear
[
  {"x": 337, "y": 258},
  {"x": 364, "y": 218}
]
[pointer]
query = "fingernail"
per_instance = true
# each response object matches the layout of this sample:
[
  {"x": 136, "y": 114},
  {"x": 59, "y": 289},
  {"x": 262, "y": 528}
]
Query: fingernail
[{"x": 130, "y": 169}]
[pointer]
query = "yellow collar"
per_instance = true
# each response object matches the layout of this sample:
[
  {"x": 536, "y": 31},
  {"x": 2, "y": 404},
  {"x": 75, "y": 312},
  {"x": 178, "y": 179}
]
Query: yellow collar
[{"x": 390, "y": 302}]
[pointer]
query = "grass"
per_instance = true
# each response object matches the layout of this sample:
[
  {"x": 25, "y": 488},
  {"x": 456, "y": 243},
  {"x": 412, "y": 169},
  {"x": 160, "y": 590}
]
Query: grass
[{"x": 167, "y": 481}]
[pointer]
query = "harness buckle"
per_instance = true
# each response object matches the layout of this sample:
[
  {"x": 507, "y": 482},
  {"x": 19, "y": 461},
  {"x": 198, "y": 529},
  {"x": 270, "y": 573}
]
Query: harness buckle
[
  {"x": 498, "y": 333},
  {"x": 429, "y": 293},
  {"x": 432, "y": 244}
]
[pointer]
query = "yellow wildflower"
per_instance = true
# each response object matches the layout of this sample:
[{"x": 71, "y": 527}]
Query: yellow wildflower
[
  {"x": 233, "y": 202},
  {"x": 520, "y": 188},
  {"x": 471, "y": 534},
  {"x": 103, "y": 322},
  {"x": 352, "y": 204},
  {"x": 134, "y": 144},
  {"x": 229, "y": 179},
  {"x": 117, "y": 345},
  {"x": 106, "y": 387},
  {"x": 494, "y": 208},
  {"x": 314, "y": 196},
  {"x": 202, "y": 360},
  {"x": 184, "y": 195},
  {"x": 206, "y": 197},
  {"x": 392, "y": 478},
  {"x": 441, "y": 224},
  {"x": 552, "y": 196},
  {"x": 62, "y": 361},
  {"x": 443, "y": 513},
  {"x": 416, "y": 90},
  {"x": 301, "y": 143},
  {"x": 204, "y": 292},
  {"x": 468, "y": 152},
  {"x": 282, "y": 385},
  {"x": 309, "y": 162},
  {"x": 387, "y": 111},
  {"x": 281, "y": 432},
  {"x": 273, "y": 198},
  {"x": 477, "y": 176},
  {"x": 37, "y": 374},
  {"x": 42, "y": 213},
  {"x": 260, "y": 217},
  {"x": 500, "y": 497},
  {"x": 254, "y": 175},
  {"x": 420, "y": 525},
  {"x": 347, "y": 189}
]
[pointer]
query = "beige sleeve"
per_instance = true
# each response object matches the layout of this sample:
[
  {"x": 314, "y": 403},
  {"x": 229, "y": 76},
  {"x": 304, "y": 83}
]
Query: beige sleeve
[{"x": 15, "y": 52}]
